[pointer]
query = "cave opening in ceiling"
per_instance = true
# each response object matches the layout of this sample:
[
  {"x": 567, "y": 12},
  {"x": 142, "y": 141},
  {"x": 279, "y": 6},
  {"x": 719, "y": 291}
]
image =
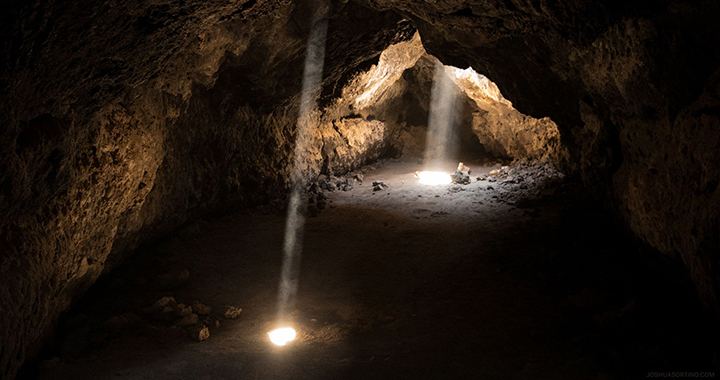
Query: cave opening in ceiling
[{"x": 165, "y": 166}]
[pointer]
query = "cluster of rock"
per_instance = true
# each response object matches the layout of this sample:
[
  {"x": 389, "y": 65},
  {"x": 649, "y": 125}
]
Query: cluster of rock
[
  {"x": 332, "y": 183},
  {"x": 166, "y": 320},
  {"x": 461, "y": 176},
  {"x": 194, "y": 319},
  {"x": 525, "y": 180},
  {"x": 317, "y": 200},
  {"x": 379, "y": 186}
]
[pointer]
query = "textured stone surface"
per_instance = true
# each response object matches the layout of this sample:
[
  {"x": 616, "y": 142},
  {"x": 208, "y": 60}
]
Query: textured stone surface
[
  {"x": 633, "y": 89},
  {"x": 121, "y": 121}
]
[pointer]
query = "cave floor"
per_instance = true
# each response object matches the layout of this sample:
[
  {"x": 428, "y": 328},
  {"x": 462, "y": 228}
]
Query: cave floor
[{"x": 415, "y": 281}]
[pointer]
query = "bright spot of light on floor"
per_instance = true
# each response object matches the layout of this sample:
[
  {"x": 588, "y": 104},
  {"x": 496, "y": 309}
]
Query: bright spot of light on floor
[
  {"x": 434, "y": 178},
  {"x": 281, "y": 336}
]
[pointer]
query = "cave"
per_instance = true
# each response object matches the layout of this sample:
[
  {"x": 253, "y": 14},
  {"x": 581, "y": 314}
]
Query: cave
[{"x": 356, "y": 189}]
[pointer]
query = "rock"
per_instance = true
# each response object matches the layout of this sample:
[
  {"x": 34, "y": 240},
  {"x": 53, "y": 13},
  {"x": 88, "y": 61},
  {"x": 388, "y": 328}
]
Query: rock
[
  {"x": 183, "y": 310},
  {"x": 347, "y": 184},
  {"x": 167, "y": 309},
  {"x": 232, "y": 312},
  {"x": 481, "y": 177},
  {"x": 201, "y": 309},
  {"x": 187, "y": 320},
  {"x": 176, "y": 277},
  {"x": 379, "y": 185},
  {"x": 314, "y": 188},
  {"x": 325, "y": 185},
  {"x": 161, "y": 304},
  {"x": 492, "y": 179},
  {"x": 321, "y": 204},
  {"x": 198, "y": 332},
  {"x": 461, "y": 167},
  {"x": 460, "y": 177}
]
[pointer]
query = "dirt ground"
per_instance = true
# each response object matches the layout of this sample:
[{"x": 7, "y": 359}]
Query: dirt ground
[{"x": 521, "y": 281}]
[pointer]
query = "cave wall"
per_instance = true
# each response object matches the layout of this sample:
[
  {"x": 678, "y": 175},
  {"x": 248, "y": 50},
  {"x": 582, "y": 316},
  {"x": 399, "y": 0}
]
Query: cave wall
[
  {"x": 123, "y": 120},
  {"x": 488, "y": 124},
  {"x": 633, "y": 88}
]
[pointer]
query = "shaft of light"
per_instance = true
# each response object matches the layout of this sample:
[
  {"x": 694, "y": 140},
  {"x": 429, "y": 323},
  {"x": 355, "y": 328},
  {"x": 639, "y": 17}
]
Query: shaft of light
[
  {"x": 281, "y": 336},
  {"x": 439, "y": 144},
  {"x": 311, "y": 86}
]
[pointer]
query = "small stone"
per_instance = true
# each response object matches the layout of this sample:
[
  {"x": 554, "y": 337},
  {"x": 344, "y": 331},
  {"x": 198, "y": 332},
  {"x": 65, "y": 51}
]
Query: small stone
[
  {"x": 183, "y": 310},
  {"x": 201, "y": 309},
  {"x": 321, "y": 204},
  {"x": 314, "y": 188},
  {"x": 492, "y": 179},
  {"x": 187, "y": 320},
  {"x": 461, "y": 167},
  {"x": 166, "y": 309},
  {"x": 490, "y": 188},
  {"x": 232, "y": 312},
  {"x": 217, "y": 323},
  {"x": 165, "y": 301},
  {"x": 198, "y": 333}
]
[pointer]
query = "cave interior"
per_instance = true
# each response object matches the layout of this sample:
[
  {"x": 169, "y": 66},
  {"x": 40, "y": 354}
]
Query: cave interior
[{"x": 181, "y": 177}]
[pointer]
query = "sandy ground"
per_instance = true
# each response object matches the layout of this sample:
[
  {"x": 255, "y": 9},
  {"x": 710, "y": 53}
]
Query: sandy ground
[{"x": 416, "y": 281}]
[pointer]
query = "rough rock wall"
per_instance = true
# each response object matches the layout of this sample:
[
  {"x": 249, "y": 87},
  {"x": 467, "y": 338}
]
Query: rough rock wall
[
  {"x": 122, "y": 120},
  {"x": 486, "y": 117},
  {"x": 633, "y": 88}
]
